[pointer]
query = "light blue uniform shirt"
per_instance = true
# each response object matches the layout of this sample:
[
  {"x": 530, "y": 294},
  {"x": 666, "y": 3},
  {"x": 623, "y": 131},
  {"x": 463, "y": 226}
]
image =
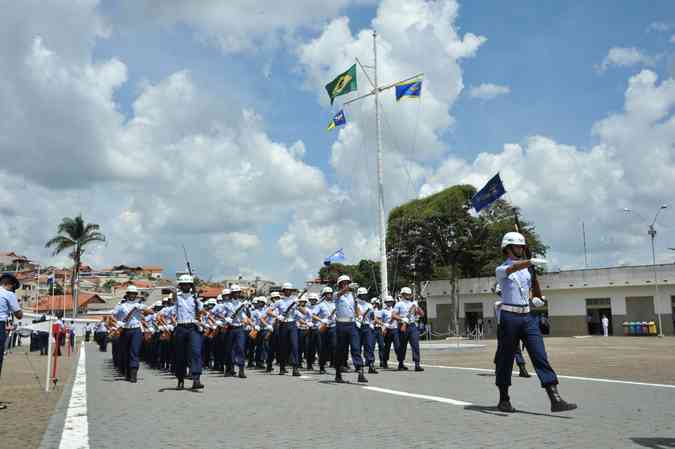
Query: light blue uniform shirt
[
  {"x": 324, "y": 310},
  {"x": 281, "y": 306},
  {"x": 101, "y": 327},
  {"x": 185, "y": 307},
  {"x": 168, "y": 312},
  {"x": 403, "y": 310},
  {"x": 136, "y": 311},
  {"x": 386, "y": 318},
  {"x": 8, "y": 305},
  {"x": 256, "y": 314},
  {"x": 119, "y": 312},
  {"x": 366, "y": 310},
  {"x": 238, "y": 319},
  {"x": 515, "y": 286},
  {"x": 344, "y": 307}
]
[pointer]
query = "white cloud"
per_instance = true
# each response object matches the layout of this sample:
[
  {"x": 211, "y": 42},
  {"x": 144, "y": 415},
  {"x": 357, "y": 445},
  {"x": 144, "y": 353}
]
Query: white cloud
[
  {"x": 488, "y": 91},
  {"x": 626, "y": 57},
  {"x": 660, "y": 27}
]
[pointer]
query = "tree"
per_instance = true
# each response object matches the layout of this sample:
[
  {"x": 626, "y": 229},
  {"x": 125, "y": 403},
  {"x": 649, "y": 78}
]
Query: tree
[
  {"x": 74, "y": 235},
  {"x": 365, "y": 273}
]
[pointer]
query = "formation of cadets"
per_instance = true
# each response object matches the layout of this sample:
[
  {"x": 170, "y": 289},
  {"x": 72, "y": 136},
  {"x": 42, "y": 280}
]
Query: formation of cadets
[{"x": 229, "y": 334}]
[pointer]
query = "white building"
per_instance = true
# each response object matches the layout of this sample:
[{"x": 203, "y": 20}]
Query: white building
[{"x": 577, "y": 299}]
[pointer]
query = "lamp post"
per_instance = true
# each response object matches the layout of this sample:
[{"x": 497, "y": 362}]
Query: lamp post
[{"x": 651, "y": 231}]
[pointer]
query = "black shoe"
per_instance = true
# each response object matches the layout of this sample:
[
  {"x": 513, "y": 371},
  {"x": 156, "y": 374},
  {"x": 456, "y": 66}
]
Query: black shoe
[
  {"x": 385, "y": 365},
  {"x": 197, "y": 385},
  {"x": 250, "y": 365},
  {"x": 229, "y": 373},
  {"x": 402, "y": 367},
  {"x": 506, "y": 407},
  {"x": 322, "y": 370},
  {"x": 362, "y": 378},
  {"x": 259, "y": 366},
  {"x": 268, "y": 369},
  {"x": 372, "y": 370},
  {"x": 242, "y": 374},
  {"x": 133, "y": 375},
  {"x": 181, "y": 384},
  {"x": 283, "y": 371},
  {"x": 523, "y": 371},
  {"x": 418, "y": 368},
  {"x": 296, "y": 372},
  {"x": 310, "y": 367},
  {"x": 557, "y": 403}
]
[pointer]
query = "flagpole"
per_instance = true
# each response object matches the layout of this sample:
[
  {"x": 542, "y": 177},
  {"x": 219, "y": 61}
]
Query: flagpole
[{"x": 380, "y": 184}]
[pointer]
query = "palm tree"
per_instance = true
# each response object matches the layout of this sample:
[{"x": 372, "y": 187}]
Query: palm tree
[{"x": 74, "y": 235}]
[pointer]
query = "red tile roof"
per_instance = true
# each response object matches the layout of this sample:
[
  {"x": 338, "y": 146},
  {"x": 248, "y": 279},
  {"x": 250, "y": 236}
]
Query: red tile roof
[
  {"x": 210, "y": 292},
  {"x": 48, "y": 303}
]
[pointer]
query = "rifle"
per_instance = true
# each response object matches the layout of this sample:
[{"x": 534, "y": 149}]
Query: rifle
[
  {"x": 194, "y": 288},
  {"x": 536, "y": 288}
]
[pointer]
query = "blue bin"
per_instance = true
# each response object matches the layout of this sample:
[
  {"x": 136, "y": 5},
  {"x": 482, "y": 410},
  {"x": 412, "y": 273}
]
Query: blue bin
[{"x": 633, "y": 328}]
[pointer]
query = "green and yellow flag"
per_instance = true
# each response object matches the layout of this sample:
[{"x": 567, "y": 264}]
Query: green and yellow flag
[{"x": 343, "y": 84}]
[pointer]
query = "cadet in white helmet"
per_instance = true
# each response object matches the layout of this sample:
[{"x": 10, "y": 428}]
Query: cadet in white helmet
[
  {"x": 131, "y": 339},
  {"x": 366, "y": 328},
  {"x": 516, "y": 323},
  {"x": 324, "y": 315},
  {"x": 406, "y": 312},
  {"x": 390, "y": 330},
  {"x": 187, "y": 339},
  {"x": 312, "y": 344},
  {"x": 273, "y": 332},
  {"x": 284, "y": 312},
  {"x": 347, "y": 334},
  {"x": 378, "y": 331}
]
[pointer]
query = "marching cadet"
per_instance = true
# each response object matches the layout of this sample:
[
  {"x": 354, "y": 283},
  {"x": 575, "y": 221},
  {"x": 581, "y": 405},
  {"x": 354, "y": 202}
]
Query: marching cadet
[
  {"x": 324, "y": 313},
  {"x": 283, "y": 311},
  {"x": 186, "y": 337},
  {"x": 226, "y": 311},
  {"x": 218, "y": 313},
  {"x": 207, "y": 339},
  {"x": 236, "y": 320},
  {"x": 117, "y": 340},
  {"x": 260, "y": 325},
  {"x": 347, "y": 334},
  {"x": 520, "y": 360},
  {"x": 390, "y": 327},
  {"x": 405, "y": 313},
  {"x": 101, "y": 335},
  {"x": 378, "y": 331},
  {"x": 167, "y": 316},
  {"x": 312, "y": 341},
  {"x": 516, "y": 323},
  {"x": 303, "y": 318},
  {"x": 132, "y": 335},
  {"x": 273, "y": 333},
  {"x": 366, "y": 327}
]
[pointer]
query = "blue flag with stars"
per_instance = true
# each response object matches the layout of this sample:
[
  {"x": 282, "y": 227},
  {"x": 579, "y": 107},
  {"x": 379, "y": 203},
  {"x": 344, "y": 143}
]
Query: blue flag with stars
[
  {"x": 488, "y": 194},
  {"x": 338, "y": 120},
  {"x": 410, "y": 89}
]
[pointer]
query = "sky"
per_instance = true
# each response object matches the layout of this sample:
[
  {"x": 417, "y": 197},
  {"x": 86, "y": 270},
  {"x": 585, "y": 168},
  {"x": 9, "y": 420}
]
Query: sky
[{"x": 204, "y": 124}]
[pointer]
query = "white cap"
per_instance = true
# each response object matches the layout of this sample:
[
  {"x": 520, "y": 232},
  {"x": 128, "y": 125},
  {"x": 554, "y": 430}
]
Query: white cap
[
  {"x": 260, "y": 299},
  {"x": 157, "y": 304},
  {"x": 313, "y": 296},
  {"x": 343, "y": 278},
  {"x": 361, "y": 291},
  {"x": 226, "y": 291},
  {"x": 211, "y": 301},
  {"x": 275, "y": 295},
  {"x": 287, "y": 286},
  {"x": 374, "y": 301},
  {"x": 234, "y": 288},
  {"x": 219, "y": 298},
  {"x": 303, "y": 298},
  {"x": 132, "y": 289},
  {"x": 186, "y": 279},
  {"x": 406, "y": 291},
  {"x": 389, "y": 298},
  {"x": 326, "y": 290},
  {"x": 513, "y": 238}
]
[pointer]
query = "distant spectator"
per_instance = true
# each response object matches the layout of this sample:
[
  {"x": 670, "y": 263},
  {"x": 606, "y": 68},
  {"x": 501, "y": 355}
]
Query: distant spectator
[
  {"x": 9, "y": 306},
  {"x": 605, "y": 326}
]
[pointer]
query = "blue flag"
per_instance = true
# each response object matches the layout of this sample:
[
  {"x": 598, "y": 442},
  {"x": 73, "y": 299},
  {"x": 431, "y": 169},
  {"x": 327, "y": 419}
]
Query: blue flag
[
  {"x": 50, "y": 279},
  {"x": 411, "y": 89},
  {"x": 337, "y": 256},
  {"x": 488, "y": 194},
  {"x": 338, "y": 120}
]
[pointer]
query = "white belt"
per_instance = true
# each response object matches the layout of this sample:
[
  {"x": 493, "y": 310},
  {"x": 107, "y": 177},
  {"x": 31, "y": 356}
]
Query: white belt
[
  {"x": 133, "y": 327},
  {"x": 345, "y": 320},
  {"x": 515, "y": 309},
  {"x": 186, "y": 322}
]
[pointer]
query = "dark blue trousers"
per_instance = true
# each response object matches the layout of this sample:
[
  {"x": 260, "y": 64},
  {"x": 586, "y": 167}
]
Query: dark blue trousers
[
  {"x": 262, "y": 346},
  {"x": 514, "y": 327},
  {"x": 227, "y": 348},
  {"x": 188, "y": 343},
  {"x": 133, "y": 340},
  {"x": 288, "y": 345},
  {"x": 327, "y": 345},
  {"x": 367, "y": 337},
  {"x": 379, "y": 339},
  {"x": 312, "y": 345},
  {"x": 412, "y": 336},
  {"x": 239, "y": 336},
  {"x": 391, "y": 338},
  {"x": 348, "y": 338},
  {"x": 3, "y": 337}
]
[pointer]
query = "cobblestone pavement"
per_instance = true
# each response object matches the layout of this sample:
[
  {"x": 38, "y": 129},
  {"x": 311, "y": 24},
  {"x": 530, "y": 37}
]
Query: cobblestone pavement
[
  {"x": 29, "y": 407},
  {"x": 448, "y": 408}
]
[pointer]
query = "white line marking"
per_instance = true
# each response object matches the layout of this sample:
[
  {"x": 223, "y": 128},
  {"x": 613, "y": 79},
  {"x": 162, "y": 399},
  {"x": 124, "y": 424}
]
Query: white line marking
[
  {"x": 590, "y": 379},
  {"x": 305, "y": 377},
  {"x": 419, "y": 396},
  {"x": 76, "y": 427}
]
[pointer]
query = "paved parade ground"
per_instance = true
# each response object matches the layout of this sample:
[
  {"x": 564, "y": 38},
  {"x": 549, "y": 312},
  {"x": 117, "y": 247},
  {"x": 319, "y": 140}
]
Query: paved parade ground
[{"x": 448, "y": 405}]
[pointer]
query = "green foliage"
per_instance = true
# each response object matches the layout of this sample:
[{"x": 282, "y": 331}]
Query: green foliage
[{"x": 366, "y": 273}]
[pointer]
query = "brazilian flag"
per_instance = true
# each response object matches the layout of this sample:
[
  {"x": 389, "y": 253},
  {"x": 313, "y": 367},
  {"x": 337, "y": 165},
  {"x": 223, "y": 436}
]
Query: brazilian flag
[{"x": 343, "y": 84}]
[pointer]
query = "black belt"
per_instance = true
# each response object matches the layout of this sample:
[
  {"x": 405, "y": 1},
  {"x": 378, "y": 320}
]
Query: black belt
[{"x": 185, "y": 324}]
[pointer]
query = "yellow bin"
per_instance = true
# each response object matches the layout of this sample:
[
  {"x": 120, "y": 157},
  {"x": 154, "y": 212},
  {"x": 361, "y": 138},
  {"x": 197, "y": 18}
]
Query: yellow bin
[{"x": 652, "y": 328}]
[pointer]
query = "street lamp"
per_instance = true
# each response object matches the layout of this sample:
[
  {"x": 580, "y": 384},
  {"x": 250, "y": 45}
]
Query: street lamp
[{"x": 652, "y": 233}]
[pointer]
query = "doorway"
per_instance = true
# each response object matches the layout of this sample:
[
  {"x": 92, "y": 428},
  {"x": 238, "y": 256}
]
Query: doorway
[{"x": 596, "y": 308}]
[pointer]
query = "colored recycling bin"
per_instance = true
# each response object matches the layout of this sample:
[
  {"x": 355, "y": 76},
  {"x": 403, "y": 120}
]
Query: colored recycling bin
[
  {"x": 644, "y": 328},
  {"x": 626, "y": 328},
  {"x": 634, "y": 327},
  {"x": 652, "y": 328}
]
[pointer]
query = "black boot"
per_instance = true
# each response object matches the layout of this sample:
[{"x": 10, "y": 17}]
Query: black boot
[
  {"x": 385, "y": 365},
  {"x": 181, "y": 384},
  {"x": 418, "y": 367},
  {"x": 504, "y": 401},
  {"x": 282, "y": 370},
  {"x": 268, "y": 369},
  {"x": 133, "y": 375},
  {"x": 250, "y": 364},
  {"x": 402, "y": 367},
  {"x": 338, "y": 376},
  {"x": 196, "y": 384},
  {"x": 296, "y": 372},
  {"x": 229, "y": 372},
  {"x": 523, "y": 371},
  {"x": 557, "y": 403},
  {"x": 310, "y": 367},
  {"x": 322, "y": 369},
  {"x": 242, "y": 374},
  {"x": 362, "y": 377},
  {"x": 371, "y": 369}
]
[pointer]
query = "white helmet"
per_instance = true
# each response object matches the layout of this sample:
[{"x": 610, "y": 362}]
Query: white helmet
[
  {"x": 303, "y": 298},
  {"x": 186, "y": 279},
  {"x": 132, "y": 289},
  {"x": 362, "y": 291},
  {"x": 313, "y": 296},
  {"x": 513, "y": 238},
  {"x": 374, "y": 301},
  {"x": 211, "y": 302},
  {"x": 343, "y": 278},
  {"x": 287, "y": 286},
  {"x": 389, "y": 298},
  {"x": 166, "y": 299},
  {"x": 234, "y": 288},
  {"x": 260, "y": 299},
  {"x": 157, "y": 304},
  {"x": 226, "y": 292},
  {"x": 406, "y": 291},
  {"x": 219, "y": 298},
  {"x": 275, "y": 295},
  {"x": 326, "y": 290}
]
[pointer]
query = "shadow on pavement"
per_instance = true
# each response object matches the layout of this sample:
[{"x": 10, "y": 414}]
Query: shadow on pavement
[
  {"x": 493, "y": 410},
  {"x": 655, "y": 443}
]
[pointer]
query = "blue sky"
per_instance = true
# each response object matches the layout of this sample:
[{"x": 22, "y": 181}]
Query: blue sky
[{"x": 270, "y": 61}]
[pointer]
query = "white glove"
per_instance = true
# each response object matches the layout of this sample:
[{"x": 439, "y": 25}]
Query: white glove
[
  {"x": 538, "y": 302},
  {"x": 324, "y": 321},
  {"x": 220, "y": 322},
  {"x": 228, "y": 320},
  {"x": 269, "y": 328},
  {"x": 405, "y": 320},
  {"x": 257, "y": 328},
  {"x": 538, "y": 262}
]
